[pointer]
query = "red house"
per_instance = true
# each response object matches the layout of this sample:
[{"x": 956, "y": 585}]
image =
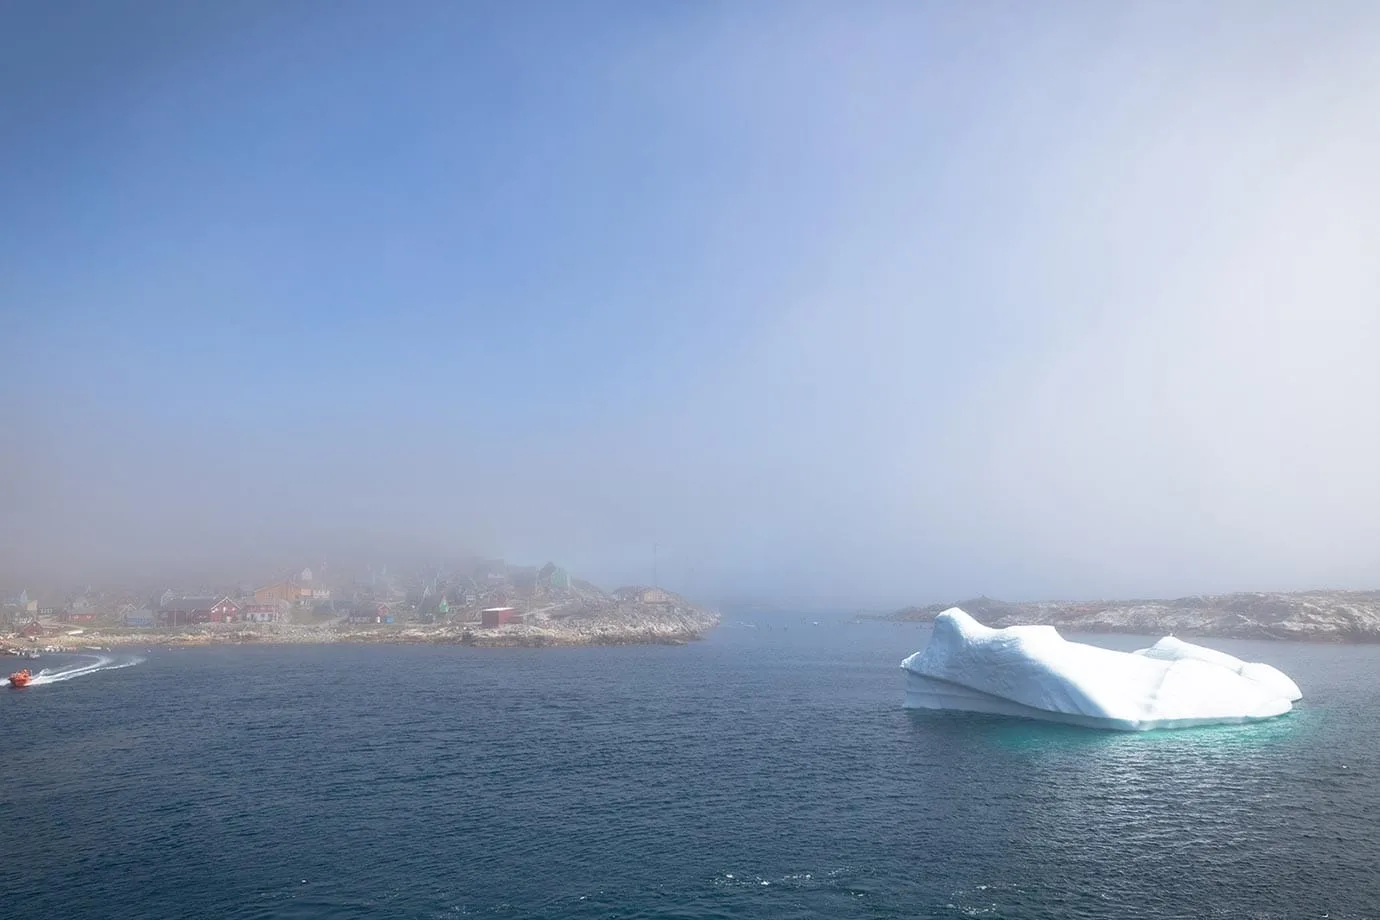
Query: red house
[
  {"x": 190, "y": 611},
  {"x": 499, "y": 616},
  {"x": 225, "y": 611}
]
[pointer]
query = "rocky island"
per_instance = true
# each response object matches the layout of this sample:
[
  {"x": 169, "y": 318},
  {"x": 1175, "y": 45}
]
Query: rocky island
[
  {"x": 619, "y": 622},
  {"x": 491, "y": 604},
  {"x": 1319, "y": 616}
]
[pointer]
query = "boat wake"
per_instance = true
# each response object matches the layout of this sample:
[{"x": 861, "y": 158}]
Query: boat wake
[{"x": 94, "y": 664}]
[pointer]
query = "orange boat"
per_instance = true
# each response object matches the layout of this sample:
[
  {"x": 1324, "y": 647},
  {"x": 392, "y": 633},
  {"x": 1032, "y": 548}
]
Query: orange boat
[{"x": 20, "y": 679}]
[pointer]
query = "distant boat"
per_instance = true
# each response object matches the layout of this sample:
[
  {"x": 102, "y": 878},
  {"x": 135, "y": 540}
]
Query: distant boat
[
  {"x": 28, "y": 653},
  {"x": 20, "y": 679}
]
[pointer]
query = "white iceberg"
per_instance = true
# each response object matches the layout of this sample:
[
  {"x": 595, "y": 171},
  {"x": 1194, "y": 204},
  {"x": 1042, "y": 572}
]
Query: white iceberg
[
  {"x": 1033, "y": 672},
  {"x": 1171, "y": 649}
]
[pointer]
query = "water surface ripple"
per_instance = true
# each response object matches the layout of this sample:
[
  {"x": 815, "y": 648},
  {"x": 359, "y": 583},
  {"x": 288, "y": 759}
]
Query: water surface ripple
[{"x": 766, "y": 773}]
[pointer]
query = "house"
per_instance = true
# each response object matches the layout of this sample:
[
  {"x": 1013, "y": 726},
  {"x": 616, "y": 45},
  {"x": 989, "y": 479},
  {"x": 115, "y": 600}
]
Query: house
[
  {"x": 225, "y": 611},
  {"x": 299, "y": 587},
  {"x": 188, "y": 611},
  {"x": 80, "y": 610},
  {"x": 87, "y": 608},
  {"x": 33, "y": 630},
  {"x": 499, "y": 616},
  {"x": 138, "y": 618},
  {"x": 262, "y": 613},
  {"x": 285, "y": 591},
  {"x": 308, "y": 589},
  {"x": 182, "y": 611}
]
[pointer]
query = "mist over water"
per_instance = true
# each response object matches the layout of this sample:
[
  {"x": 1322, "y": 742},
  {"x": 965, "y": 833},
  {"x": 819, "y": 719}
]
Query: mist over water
[{"x": 897, "y": 303}]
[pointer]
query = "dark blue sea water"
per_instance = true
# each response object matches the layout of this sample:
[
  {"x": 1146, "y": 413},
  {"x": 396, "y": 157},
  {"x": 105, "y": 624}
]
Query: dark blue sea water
[{"x": 764, "y": 773}]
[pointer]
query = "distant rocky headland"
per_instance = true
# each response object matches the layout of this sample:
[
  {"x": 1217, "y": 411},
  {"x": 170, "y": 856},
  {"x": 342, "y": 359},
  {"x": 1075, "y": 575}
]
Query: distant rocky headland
[{"x": 1317, "y": 616}]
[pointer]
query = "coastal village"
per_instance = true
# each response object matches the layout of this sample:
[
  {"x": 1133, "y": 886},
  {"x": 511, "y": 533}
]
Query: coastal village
[{"x": 478, "y": 602}]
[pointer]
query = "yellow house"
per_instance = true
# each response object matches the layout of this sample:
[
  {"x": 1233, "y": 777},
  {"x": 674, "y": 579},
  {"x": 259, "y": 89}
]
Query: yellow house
[{"x": 286, "y": 591}]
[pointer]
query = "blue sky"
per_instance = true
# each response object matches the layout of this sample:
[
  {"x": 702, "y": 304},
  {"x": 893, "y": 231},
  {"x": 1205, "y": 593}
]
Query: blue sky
[{"x": 835, "y": 302}]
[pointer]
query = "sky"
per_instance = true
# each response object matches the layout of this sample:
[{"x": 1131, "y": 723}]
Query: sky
[{"x": 831, "y": 304}]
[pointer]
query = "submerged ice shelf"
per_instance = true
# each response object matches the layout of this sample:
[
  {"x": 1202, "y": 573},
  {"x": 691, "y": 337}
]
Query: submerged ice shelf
[{"x": 1033, "y": 672}]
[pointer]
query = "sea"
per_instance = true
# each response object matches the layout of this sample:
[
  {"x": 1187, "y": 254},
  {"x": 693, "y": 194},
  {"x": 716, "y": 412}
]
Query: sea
[{"x": 768, "y": 771}]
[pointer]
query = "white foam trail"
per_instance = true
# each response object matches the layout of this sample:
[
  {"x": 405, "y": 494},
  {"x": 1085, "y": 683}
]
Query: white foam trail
[{"x": 67, "y": 672}]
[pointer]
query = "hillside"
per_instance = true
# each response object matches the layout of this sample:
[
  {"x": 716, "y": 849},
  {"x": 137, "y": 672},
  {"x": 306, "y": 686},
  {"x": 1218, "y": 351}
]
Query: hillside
[{"x": 512, "y": 607}]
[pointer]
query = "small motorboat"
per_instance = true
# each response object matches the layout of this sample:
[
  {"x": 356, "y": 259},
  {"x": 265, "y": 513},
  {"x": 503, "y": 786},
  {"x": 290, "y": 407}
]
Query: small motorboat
[{"x": 20, "y": 679}]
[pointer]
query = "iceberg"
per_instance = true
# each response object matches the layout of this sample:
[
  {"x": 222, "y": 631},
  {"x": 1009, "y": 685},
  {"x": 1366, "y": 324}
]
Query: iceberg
[
  {"x": 1033, "y": 672},
  {"x": 1171, "y": 649}
]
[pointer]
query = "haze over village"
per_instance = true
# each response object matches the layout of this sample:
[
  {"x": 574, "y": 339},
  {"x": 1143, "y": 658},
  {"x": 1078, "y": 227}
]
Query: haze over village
[{"x": 488, "y": 601}]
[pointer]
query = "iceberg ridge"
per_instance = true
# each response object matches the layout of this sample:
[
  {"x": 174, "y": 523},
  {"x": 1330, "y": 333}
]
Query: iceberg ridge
[{"x": 1033, "y": 672}]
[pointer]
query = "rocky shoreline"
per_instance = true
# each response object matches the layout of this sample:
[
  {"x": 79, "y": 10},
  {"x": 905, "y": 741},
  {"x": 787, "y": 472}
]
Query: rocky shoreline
[
  {"x": 1311, "y": 616},
  {"x": 625, "y": 624}
]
